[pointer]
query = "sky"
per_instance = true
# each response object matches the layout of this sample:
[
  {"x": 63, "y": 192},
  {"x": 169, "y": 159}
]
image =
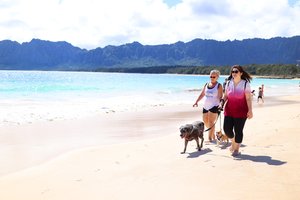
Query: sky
[{"x": 97, "y": 23}]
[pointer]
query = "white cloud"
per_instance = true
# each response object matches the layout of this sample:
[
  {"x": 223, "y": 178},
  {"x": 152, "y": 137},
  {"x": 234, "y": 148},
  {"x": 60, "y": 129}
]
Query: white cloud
[{"x": 97, "y": 23}]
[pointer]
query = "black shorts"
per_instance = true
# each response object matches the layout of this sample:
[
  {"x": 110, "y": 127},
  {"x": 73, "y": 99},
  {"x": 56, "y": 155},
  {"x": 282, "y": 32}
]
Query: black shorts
[{"x": 214, "y": 109}]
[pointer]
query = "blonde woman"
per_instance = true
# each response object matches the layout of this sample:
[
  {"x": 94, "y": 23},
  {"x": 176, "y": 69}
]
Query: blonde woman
[{"x": 212, "y": 93}]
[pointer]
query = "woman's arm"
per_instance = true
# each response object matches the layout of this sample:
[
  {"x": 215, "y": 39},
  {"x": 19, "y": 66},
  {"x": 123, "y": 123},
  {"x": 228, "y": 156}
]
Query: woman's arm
[
  {"x": 220, "y": 91},
  {"x": 200, "y": 96},
  {"x": 223, "y": 100},
  {"x": 249, "y": 104}
]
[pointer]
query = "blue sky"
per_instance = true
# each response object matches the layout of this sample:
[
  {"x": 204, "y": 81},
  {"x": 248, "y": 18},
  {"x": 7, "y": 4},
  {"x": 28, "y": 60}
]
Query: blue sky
[
  {"x": 92, "y": 23},
  {"x": 172, "y": 2},
  {"x": 293, "y": 2}
]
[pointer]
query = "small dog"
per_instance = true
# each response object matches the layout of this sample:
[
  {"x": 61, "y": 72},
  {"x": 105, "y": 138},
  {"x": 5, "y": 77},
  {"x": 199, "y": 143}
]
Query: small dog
[
  {"x": 191, "y": 132},
  {"x": 221, "y": 138}
]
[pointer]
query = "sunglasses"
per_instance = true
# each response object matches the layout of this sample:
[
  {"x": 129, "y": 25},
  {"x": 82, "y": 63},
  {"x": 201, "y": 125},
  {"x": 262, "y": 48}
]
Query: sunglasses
[
  {"x": 235, "y": 71},
  {"x": 212, "y": 77}
]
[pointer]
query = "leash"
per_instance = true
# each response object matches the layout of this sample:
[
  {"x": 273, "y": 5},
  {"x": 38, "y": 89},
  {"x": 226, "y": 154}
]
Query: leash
[
  {"x": 220, "y": 123},
  {"x": 215, "y": 122},
  {"x": 219, "y": 138}
]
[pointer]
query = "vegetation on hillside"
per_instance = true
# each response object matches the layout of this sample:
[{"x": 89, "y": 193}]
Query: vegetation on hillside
[{"x": 272, "y": 70}]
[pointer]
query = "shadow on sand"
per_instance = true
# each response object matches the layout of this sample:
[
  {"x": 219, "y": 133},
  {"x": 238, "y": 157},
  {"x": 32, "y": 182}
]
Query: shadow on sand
[
  {"x": 199, "y": 153},
  {"x": 263, "y": 159},
  {"x": 225, "y": 145}
]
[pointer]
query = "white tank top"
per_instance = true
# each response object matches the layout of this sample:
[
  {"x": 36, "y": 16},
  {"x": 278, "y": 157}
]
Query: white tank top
[{"x": 211, "y": 97}]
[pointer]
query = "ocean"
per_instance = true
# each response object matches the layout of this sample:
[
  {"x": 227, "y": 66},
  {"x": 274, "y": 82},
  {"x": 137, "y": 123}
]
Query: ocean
[{"x": 28, "y": 96}]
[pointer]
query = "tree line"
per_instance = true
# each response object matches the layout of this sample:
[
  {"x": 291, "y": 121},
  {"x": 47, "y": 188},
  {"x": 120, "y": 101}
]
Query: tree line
[{"x": 271, "y": 70}]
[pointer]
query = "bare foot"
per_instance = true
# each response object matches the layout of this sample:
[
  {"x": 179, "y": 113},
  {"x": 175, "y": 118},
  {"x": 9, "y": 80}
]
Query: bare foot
[{"x": 235, "y": 153}]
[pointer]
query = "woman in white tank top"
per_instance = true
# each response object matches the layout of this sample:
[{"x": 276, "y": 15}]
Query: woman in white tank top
[{"x": 212, "y": 93}]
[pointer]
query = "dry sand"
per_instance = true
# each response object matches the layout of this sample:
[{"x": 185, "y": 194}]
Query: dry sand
[{"x": 68, "y": 161}]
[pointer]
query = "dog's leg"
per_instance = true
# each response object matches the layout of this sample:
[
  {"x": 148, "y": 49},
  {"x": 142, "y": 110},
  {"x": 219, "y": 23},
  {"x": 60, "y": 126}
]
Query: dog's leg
[
  {"x": 202, "y": 139},
  {"x": 185, "y": 145},
  {"x": 218, "y": 142},
  {"x": 198, "y": 146}
]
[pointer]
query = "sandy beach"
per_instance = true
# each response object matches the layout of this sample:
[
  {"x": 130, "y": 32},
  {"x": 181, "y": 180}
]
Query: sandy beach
[{"x": 68, "y": 161}]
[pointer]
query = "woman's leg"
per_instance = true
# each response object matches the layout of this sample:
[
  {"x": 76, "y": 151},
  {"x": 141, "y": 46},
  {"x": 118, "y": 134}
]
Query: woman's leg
[
  {"x": 212, "y": 117},
  {"x": 205, "y": 120},
  {"x": 228, "y": 129},
  {"x": 239, "y": 124}
]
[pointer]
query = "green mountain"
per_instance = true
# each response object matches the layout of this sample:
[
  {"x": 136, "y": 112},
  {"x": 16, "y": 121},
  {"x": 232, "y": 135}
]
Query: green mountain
[{"x": 46, "y": 55}]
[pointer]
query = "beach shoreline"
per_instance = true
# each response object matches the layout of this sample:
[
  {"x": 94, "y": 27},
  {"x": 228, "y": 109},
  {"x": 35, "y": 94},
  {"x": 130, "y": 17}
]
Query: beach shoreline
[
  {"x": 26, "y": 145},
  {"x": 146, "y": 162}
]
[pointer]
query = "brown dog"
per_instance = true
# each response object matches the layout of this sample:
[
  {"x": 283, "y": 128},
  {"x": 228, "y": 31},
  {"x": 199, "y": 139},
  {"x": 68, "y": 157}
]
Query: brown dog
[
  {"x": 221, "y": 138},
  {"x": 191, "y": 132}
]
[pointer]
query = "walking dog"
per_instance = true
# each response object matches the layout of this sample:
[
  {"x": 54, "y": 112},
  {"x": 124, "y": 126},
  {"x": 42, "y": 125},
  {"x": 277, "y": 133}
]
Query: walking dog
[
  {"x": 221, "y": 138},
  {"x": 190, "y": 132}
]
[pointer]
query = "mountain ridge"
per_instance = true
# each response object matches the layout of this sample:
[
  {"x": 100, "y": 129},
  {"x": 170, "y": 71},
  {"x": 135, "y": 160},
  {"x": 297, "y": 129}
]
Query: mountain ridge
[{"x": 46, "y": 55}]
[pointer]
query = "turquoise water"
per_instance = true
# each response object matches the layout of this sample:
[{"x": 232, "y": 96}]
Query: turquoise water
[
  {"x": 35, "y": 95},
  {"x": 17, "y": 84},
  {"x": 28, "y": 83}
]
